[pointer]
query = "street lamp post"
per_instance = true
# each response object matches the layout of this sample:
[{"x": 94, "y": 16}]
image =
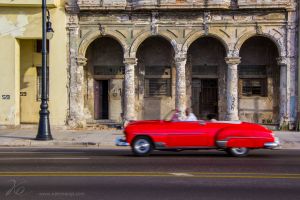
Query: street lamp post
[{"x": 44, "y": 132}]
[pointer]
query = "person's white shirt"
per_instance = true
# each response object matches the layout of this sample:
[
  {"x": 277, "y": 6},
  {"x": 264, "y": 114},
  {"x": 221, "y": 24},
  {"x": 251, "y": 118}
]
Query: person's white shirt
[{"x": 191, "y": 117}]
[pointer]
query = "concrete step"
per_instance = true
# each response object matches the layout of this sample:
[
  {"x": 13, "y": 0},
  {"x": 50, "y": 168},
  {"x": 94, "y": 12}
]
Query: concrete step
[{"x": 104, "y": 122}]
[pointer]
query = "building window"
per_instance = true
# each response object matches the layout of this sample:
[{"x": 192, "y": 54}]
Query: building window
[
  {"x": 253, "y": 80},
  {"x": 39, "y": 83},
  {"x": 157, "y": 81},
  {"x": 158, "y": 87},
  {"x": 254, "y": 87}
]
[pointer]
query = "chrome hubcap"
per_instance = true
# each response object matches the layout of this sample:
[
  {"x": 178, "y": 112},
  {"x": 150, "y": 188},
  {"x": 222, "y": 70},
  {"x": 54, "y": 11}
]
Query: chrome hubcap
[
  {"x": 239, "y": 151},
  {"x": 142, "y": 146}
]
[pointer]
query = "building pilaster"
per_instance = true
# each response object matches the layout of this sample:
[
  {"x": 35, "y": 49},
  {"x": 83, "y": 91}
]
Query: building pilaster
[{"x": 76, "y": 75}]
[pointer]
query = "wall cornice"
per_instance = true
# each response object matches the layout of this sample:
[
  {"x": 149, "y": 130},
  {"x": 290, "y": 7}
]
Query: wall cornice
[{"x": 104, "y": 5}]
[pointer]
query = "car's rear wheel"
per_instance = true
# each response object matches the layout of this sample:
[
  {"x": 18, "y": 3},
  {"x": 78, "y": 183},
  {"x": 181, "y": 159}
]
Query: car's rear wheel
[
  {"x": 238, "y": 152},
  {"x": 142, "y": 146}
]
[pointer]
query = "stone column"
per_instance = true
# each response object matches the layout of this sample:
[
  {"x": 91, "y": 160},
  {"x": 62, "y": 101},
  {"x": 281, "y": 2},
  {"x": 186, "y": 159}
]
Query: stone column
[
  {"x": 283, "y": 90},
  {"x": 180, "y": 61},
  {"x": 76, "y": 75},
  {"x": 129, "y": 86},
  {"x": 291, "y": 55},
  {"x": 232, "y": 88}
]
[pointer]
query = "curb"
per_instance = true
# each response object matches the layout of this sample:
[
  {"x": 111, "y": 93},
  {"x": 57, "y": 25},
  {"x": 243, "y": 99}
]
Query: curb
[
  {"x": 68, "y": 144},
  {"x": 31, "y": 143}
]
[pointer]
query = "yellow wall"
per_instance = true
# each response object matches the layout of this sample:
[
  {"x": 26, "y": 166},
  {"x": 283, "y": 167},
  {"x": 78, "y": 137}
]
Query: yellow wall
[
  {"x": 19, "y": 26},
  {"x": 27, "y": 3}
]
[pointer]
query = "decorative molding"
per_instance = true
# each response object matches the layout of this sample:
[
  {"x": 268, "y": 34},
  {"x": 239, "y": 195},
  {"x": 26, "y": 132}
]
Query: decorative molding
[
  {"x": 222, "y": 31},
  {"x": 258, "y": 29},
  {"x": 121, "y": 32},
  {"x": 233, "y": 60},
  {"x": 81, "y": 61},
  {"x": 130, "y": 61},
  {"x": 180, "y": 57},
  {"x": 173, "y": 32},
  {"x": 282, "y": 61}
]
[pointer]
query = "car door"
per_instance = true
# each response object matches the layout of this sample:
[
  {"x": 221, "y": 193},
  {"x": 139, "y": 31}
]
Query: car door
[{"x": 188, "y": 134}]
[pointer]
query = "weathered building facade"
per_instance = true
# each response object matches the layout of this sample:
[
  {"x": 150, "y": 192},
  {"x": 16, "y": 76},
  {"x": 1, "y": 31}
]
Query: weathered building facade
[{"x": 235, "y": 59}]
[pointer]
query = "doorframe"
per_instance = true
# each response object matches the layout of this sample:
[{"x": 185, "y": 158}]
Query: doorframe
[
  {"x": 108, "y": 99},
  {"x": 201, "y": 78}
]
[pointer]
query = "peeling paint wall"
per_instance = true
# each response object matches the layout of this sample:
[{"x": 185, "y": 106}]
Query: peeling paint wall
[
  {"x": 19, "y": 24},
  {"x": 181, "y": 26},
  {"x": 13, "y": 27}
]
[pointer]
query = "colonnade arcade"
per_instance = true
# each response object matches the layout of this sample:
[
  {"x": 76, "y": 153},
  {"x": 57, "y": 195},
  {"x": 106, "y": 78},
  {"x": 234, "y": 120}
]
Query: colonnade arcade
[{"x": 147, "y": 79}]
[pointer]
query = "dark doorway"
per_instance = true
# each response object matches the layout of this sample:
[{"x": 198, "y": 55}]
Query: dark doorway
[
  {"x": 101, "y": 99},
  {"x": 205, "y": 97}
]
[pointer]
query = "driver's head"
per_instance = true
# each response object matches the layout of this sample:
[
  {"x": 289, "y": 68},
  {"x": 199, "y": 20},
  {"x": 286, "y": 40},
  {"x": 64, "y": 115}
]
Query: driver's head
[{"x": 188, "y": 111}]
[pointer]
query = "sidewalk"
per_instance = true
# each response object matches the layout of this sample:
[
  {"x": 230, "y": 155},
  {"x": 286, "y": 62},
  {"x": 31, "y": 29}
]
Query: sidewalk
[
  {"x": 62, "y": 137},
  {"x": 96, "y": 138}
]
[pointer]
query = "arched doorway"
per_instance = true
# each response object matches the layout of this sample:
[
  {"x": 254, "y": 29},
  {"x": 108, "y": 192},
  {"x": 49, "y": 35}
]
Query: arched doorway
[
  {"x": 206, "y": 72},
  {"x": 259, "y": 81},
  {"x": 104, "y": 79},
  {"x": 155, "y": 75}
]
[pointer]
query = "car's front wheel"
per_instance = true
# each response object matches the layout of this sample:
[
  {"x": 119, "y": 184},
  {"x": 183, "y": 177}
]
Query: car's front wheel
[
  {"x": 238, "y": 152},
  {"x": 142, "y": 146}
]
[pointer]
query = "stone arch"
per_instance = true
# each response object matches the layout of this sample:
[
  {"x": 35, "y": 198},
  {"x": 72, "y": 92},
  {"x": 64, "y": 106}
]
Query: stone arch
[
  {"x": 103, "y": 79},
  {"x": 93, "y": 35},
  {"x": 199, "y": 34},
  {"x": 259, "y": 78},
  {"x": 143, "y": 36},
  {"x": 275, "y": 37},
  {"x": 206, "y": 72}
]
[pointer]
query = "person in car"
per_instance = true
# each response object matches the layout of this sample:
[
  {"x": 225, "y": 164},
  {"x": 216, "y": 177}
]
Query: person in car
[{"x": 190, "y": 115}]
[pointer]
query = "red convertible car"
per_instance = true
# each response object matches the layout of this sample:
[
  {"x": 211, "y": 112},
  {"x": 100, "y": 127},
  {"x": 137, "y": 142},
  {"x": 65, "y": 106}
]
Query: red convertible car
[{"x": 235, "y": 137}]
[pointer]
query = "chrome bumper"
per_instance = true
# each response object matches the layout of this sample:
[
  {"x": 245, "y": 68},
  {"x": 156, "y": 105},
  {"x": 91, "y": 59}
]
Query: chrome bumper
[
  {"x": 121, "y": 141},
  {"x": 272, "y": 145}
]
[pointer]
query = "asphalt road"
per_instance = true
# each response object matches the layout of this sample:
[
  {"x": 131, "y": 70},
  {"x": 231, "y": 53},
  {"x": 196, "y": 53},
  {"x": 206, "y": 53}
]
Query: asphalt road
[{"x": 116, "y": 174}]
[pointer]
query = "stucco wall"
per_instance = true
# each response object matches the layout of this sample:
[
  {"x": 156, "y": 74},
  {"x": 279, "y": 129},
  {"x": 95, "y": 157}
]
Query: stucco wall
[
  {"x": 181, "y": 26},
  {"x": 16, "y": 25}
]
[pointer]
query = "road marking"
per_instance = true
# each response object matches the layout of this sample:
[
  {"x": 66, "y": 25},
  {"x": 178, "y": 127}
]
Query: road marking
[
  {"x": 181, "y": 174},
  {"x": 33, "y": 158},
  {"x": 155, "y": 174},
  {"x": 40, "y": 152}
]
